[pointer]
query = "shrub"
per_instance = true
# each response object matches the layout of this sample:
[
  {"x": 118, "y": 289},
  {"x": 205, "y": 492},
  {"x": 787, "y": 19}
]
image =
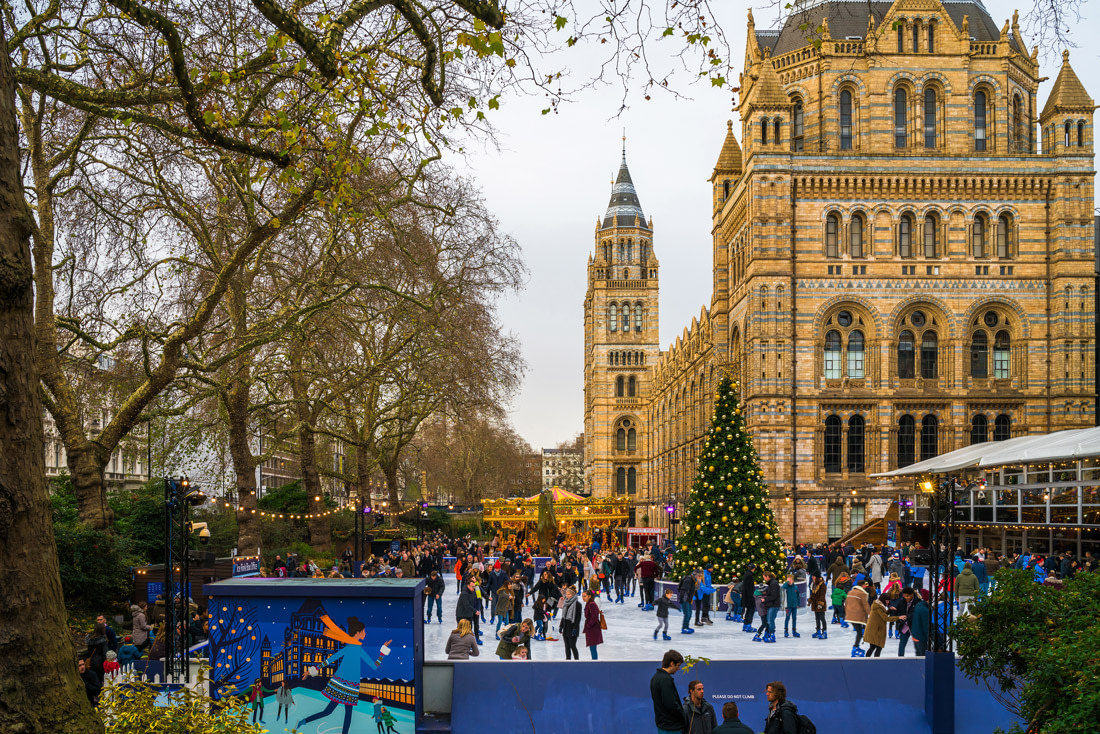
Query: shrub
[{"x": 131, "y": 708}]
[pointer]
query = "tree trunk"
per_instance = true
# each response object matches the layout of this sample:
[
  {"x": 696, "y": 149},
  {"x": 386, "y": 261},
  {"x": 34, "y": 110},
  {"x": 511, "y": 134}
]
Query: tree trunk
[
  {"x": 362, "y": 474},
  {"x": 390, "y": 471},
  {"x": 89, "y": 483},
  {"x": 320, "y": 531},
  {"x": 40, "y": 690},
  {"x": 237, "y": 402}
]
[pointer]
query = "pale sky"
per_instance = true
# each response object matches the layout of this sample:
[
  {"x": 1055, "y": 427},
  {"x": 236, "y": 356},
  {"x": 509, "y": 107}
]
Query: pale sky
[{"x": 551, "y": 179}]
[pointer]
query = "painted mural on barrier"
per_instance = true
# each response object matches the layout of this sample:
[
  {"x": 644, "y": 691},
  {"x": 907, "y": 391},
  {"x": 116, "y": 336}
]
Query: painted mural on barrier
[{"x": 319, "y": 665}]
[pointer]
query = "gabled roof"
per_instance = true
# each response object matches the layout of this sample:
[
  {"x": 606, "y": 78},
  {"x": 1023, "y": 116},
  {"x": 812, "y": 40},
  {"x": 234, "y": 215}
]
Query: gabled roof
[{"x": 1068, "y": 93}]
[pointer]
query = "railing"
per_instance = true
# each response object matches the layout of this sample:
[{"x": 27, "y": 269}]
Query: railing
[
  {"x": 983, "y": 49},
  {"x": 627, "y": 402},
  {"x": 627, "y": 283},
  {"x": 848, "y": 48}
]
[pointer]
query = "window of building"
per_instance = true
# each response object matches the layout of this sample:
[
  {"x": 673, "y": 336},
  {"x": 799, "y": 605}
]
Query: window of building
[
  {"x": 638, "y": 318},
  {"x": 1004, "y": 227},
  {"x": 931, "y": 232},
  {"x": 763, "y": 132},
  {"x": 1080, "y": 134},
  {"x": 901, "y": 118},
  {"x": 620, "y": 480},
  {"x": 831, "y": 462},
  {"x": 857, "y": 516},
  {"x": 1068, "y": 128},
  {"x": 905, "y": 236},
  {"x": 979, "y": 121},
  {"x": 725, "y": 189},
  {"x": 620, "y": 386},
  {"x": 632, "y": 481},
  {"x": 901, "y": 37},
  {"x": 855, "y": 236},
  {"x": 929, "y": 437},
  {"x": 631, "y": 386},
  {"x": 855, "y": 354},
  {"x": 832, "y": 355},
  {"x": 977, "y": 236},
  {"x": 906, "y": 440},
  {"x": 776, "y": 137},
  {"x": 855, "y": 445},
  {"x": 979, "y": 429},
  {"x": 836, "y": 521},
  {"x": 1001, "y": 344},
  {"x": 620, "y": 439},
  {"x": 931, "y": 38},
  {"x": 930, "y": 107},
  {"x": 626, "y": 313},
  {"x": 845, "y": 120},
  {"x": 832, "y": 227},
  {"x": 979, "y": 354},
  {"x": 1002, "y": 428},
  {"x": 1017, "y": 129},
  {"x": 613, "y": 317},
  {"x": 916, "y": 37},
  {"x": 797, "y": 131},
  {"x": 631, "y": 440},
  {"x": 929, "y": 355},
  {"x": 905, "y": 355}
]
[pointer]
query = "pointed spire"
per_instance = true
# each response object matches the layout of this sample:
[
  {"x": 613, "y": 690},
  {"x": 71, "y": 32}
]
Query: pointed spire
[
  {"x": 766, "y": 89},
  {"x": 729, "y": 160},
  {"x": 624, "y": 209},
  {"x": 1067, "y": 93}
]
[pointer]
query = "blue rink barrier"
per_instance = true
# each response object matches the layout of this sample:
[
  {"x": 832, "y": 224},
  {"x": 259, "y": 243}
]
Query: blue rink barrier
[{"x": 839, "y": 696}]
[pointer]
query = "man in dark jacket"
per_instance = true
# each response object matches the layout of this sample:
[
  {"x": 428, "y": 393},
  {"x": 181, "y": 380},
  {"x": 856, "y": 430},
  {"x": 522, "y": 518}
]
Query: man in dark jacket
[
  {"x": 782, "y": 714},
  {"x": 687, "y": 587},
  {"x": 731, "y": 724},
  {"x": 433, "y": 593},
  {"x": 748, "y": 586},
  {"x": 772, "y": 602},
  {"x": 469, "y": 607},
  {"x": 668, "y": 714},
  {"x": 919, "y": 619},
  {"x": 699, "y": 715},
  {"x": 902, "y": 608}
]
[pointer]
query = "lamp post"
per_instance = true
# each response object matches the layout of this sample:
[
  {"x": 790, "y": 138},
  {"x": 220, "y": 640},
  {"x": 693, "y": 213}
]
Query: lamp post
[
  {"x": 179, "y": 497},
  {"x": 670, "y": 510}
]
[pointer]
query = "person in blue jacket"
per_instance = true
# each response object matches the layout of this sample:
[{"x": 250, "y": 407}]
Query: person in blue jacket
[
  {"x": 979, "y": 569},
  {"x": 919, "y": 624},
  {"x": 343, "y": 687},
  {"x": 702, "y": 598}
]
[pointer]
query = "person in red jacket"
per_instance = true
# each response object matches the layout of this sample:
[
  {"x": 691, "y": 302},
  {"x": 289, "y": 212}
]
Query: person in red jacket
[{"x": 593, "y": 633}]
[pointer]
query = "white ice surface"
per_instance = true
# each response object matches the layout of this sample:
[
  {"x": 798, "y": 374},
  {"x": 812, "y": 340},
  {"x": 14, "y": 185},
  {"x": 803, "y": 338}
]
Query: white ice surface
[{"x": 629, "y": 636}]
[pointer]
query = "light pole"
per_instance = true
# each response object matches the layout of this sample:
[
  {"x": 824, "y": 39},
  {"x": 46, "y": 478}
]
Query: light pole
[{"x": 179, "y": 497}]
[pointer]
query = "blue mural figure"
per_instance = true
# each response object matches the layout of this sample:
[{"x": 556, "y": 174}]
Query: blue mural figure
[{"x": 343, "y": 687}]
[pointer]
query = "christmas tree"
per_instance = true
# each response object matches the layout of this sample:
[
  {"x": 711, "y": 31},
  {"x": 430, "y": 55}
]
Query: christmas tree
[{"x": 728, "y": 521}]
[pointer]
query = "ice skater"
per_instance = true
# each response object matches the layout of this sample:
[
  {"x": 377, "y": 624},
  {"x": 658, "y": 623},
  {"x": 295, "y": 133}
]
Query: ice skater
[
  {"x": 256, "y": 698},
  {"x": 286, "y": 700},
  {"x": 343, "y": 687},
  {"x": 663, "y": 605}
]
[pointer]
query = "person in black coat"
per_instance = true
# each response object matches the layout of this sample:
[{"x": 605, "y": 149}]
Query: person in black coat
[
  {"x": 748, "y": 606},
  {"x": 668, "y": 712},
  {"x": 92, "y": 683},
  {"x": 687, "y": 587},
  {"x": 469, "y": 607},
  {"x": 434, "y": 587},
  {"x": 96, "y": 652},
  {"x": 782, "y": 714}
]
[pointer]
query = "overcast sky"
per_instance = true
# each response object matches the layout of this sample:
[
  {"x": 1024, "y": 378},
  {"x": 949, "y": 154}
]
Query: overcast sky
[{"x": 551, "y": 179}]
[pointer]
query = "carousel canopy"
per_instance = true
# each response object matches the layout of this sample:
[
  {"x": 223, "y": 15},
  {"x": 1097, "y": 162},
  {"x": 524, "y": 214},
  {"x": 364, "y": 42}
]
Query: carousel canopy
[{"x": 559, "y": 495}]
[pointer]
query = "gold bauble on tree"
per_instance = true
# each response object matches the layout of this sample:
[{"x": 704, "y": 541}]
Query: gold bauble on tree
[{"x": 745, "y": 508}]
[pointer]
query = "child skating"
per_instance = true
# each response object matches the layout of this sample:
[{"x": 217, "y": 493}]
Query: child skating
[{"x": 663, "y": 605}]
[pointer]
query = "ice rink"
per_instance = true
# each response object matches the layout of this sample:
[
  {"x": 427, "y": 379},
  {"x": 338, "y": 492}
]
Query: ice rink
[{"x": 629, "y": 636}]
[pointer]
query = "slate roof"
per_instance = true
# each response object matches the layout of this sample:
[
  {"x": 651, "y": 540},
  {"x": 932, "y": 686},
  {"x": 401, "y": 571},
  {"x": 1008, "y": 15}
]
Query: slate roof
[{"x": 624, "y": 204}]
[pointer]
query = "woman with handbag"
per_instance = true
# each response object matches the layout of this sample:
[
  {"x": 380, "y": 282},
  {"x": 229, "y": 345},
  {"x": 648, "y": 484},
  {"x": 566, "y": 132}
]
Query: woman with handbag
[
  {"x": 571, "y": 622},
  {"x": 594, "y": 623}
]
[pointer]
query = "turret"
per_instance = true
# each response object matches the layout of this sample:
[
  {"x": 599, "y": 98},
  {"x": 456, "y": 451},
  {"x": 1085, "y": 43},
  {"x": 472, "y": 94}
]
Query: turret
[{"x": 1067, "y": 117}]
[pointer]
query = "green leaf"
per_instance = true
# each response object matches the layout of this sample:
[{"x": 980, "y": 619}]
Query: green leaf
[{"x": 560, "y": 22}]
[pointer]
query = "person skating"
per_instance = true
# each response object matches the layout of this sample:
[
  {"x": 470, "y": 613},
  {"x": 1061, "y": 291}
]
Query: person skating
[
  {"x": 668, "y": 712},
  {"x": 875, "y": 634},
  {"x": 256, "y": 698},
  {"x": 570, "y": 627},
  {"x": 285, "y": 700},
  {"x": 462, "y": 643},
  {"x": 856, "y": 610},
  {"x": 663, "y": 605},
  {"x": 840, "y": 593},
  {"x": 790, "y": 607},
  {"x": 647, "y": 572},
  {"x": 699, "y": 716},
  {"x": 748, "y": 604},
  {"x": 593, "y": 632},
  {"x": 967, "y": 587},
  {"x": 702, "y": 598},
  {"x": 433, "y": 594},
  {"x": 513, "y": 636},
  {"x": 772, "y": 601},
  {"x": 819, "y": 606},
  {"x": 687, "y": 587},
  {"x": 469, "y": 607}
]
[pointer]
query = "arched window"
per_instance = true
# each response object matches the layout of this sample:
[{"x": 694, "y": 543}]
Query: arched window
[
  {"x": 620, "y": 440},
  {"x": 929, "y": 354},
  {"x": 855, "y": 236},
  {"x": 901, "y": 118},
  {"x": 977, "y": 236},
  {"x": 620, "y": 386},
  {"x": 930, "y": 107},
  {"x": 931, "y": 38},
  {"x": 631, "y": 386},
  {"x": 855, "y": 444},
  {"x": 916, "y": 37},
  {"x": 763, "y": 132},
  {"x": 832, "y": 226},
  {"x": 831, "y": 462},
  {"x": 979, "y": 120},
  {"x": 906, "y": 440},
  {"x": 638, "y": 318},
  {"x": 931, "y": 230},
  {"x": 1080, "y": 134},
  {"x": 1001, "y": 344},
  {"x": 776, "y": 137},
  {"x": 799, "y": 126},
  {"x": 979, "y": 354},
  {"x": 1019, "y": 144},
  {"x": 613, "y": 317},
  {"x": 905, "y": 355},
  {"x": 725, "y": 189},
  {"x": 632, "y": 481},
  {"x": 855, "y": 355},
  {"x": 631, "y": 440},
  {"x": 845, "y": 120},
  {"x": 979, "y": 429},
  {"x": 1002, "y": 428},
  {"x": 1004, "y": 228},
  {"x": 620, "y": 480},
  {"x": 832, "y": 355},
  {"x": 625, "y": 315},
  {"x": 901, "y": 37},
  {"x": 1068, "y": 128},
  {"x": 905, "y": 236},
  {"x": 929, "y": 437},
  {"x": 630, "y": 251}
]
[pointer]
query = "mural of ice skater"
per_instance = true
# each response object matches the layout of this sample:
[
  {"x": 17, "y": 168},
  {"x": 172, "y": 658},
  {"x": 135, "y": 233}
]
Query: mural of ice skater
[
  {"x": 343, "y": 687},
  {"x": 286, "y": 700},
  {"x": 256, "y": 697}
]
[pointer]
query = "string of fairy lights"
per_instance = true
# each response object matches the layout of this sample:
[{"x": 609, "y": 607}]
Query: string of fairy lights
[{"x": 382, "y": 510}]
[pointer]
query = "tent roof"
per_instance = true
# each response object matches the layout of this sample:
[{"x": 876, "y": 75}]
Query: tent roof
[
  {"x": 1078, "y": 443},
  {"x": 559, "y": 495}
]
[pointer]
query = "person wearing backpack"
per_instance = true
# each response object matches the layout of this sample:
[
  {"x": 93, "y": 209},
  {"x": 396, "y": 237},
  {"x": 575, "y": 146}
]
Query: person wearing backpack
[{"x": 783, "y": 717}]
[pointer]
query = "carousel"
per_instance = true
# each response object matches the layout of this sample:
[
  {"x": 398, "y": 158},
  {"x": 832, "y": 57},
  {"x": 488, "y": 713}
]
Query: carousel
[{"x": 576, "y": 517}]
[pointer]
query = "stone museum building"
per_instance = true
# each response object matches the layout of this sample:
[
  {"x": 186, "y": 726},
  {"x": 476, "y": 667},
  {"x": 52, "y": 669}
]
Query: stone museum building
[{"x": 903, "y": 265}]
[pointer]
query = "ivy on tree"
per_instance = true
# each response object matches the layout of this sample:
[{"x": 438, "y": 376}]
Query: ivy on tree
[{"x": 728, "y": 521}]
